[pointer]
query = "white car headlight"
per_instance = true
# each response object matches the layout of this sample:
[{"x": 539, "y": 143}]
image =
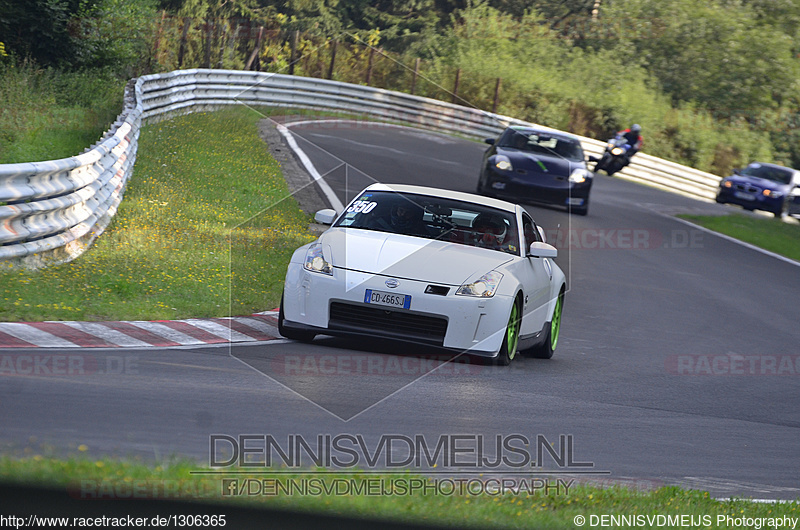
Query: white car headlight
[
  {"x": 503, "y": 163},
  {"x": 315, "y": 261},
  {"x": 484, "y": 287},
  {"x": 580, "y": 175}
]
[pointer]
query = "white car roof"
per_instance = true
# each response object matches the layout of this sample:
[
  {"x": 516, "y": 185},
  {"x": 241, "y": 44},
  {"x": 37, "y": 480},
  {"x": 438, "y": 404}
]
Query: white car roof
[{"x": 446, "y": 194}]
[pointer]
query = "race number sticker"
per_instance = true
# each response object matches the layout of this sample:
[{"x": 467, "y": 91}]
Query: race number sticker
[{"x": 362, "y": 207}]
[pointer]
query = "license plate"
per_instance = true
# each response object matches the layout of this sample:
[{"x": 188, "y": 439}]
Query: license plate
[
  {"x": 390, "y": 299},
  {"x": 744, "y": 196},
  {"x": 499, "y": 185},
  {"x": 575, "y": 202}
]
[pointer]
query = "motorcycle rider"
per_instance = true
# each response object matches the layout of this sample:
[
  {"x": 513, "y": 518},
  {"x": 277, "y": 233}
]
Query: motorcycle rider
[{"x": 634, "y": 139}]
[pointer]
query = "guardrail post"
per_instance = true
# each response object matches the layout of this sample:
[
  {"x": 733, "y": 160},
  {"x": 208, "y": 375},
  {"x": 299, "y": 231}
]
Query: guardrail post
[
  {"x": 293, "y": 58},
  {"x": 154, "y": 56},
  {"x": 209, "y": 27},
  {"x": 414, "y": 77},
  {"x": 369, "y": 65},
  {"x": 455, "y": 85},
  {"x": 184, "y": 35},
  {"x": 334, "y": 45},
  {"x": 254, "y": 56},
  {"x": 496, "y": 94}
]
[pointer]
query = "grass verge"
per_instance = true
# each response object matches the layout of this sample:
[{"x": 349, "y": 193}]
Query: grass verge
[
  {"x": 769, "y": 234},
  {"x": 47, "y": 114},
  {"x": 392, "y": 498},
  {"x": 206, "y": 229}
]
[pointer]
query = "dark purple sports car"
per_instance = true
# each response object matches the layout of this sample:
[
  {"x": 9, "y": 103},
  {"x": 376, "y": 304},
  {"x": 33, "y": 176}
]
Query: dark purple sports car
[{"x": 531, "y": 165}]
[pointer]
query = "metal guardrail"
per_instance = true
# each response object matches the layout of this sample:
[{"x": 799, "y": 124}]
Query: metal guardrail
[{"x": 54, "y": 210}]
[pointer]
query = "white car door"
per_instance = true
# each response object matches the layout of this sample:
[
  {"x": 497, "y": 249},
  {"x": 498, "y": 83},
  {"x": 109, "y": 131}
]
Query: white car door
[{"x": 536, "y": 275}]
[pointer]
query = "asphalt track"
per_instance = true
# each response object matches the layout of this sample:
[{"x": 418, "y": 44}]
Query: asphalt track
[{"x": 677, "y": 363}]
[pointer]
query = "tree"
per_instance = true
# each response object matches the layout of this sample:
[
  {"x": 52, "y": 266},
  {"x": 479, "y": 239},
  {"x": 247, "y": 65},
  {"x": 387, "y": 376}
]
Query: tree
[
  {"x": 39, "y": 29},
  {"x": 717, "y": 54}
]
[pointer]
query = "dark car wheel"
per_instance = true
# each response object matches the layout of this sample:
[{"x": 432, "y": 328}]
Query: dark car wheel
[
  {"x": 294, "y": 334},
  {"x": 583, "y": 210},
  {"x": 482, "y": 188},
  {"x": 548, "y": 347},
  {"x": 782, "y": 212}
]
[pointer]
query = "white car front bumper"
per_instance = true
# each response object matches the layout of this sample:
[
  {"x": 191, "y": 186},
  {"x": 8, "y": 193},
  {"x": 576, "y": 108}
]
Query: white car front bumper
[{"x": 335, "y": 304}]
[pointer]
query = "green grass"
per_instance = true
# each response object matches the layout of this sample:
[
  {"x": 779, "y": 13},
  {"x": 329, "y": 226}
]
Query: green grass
[
  {"x": 206, "y": 228},
  {"x": 105, "y": 478},
  {"x": 769, "y": 234},
  {"x": 47, "y": 114}
]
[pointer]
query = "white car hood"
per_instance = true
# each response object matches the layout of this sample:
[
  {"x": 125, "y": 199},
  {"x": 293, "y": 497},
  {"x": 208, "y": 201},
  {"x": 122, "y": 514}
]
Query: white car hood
[{"x": 408, "y": 257}]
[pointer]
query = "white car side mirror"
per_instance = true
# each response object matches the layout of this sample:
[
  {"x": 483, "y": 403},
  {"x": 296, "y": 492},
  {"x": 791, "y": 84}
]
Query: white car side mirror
[
  {"x": 542, "y": 250},
  {"x": 325, "y": 217}
]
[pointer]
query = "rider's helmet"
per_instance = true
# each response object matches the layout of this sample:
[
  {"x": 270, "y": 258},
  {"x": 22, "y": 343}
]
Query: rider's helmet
[
  {"x": 404, "y": 215},
  {"x": 636, "y": 128},
  {"x": 488, "y": 223}
]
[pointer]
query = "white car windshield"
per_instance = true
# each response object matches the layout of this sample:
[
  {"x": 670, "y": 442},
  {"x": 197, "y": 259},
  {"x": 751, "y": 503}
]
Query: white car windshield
[{"x": 433, "y": 218}]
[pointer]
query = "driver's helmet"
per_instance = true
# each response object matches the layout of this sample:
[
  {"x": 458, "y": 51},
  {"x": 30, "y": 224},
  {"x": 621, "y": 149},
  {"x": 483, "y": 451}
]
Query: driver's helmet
[
  {"x": 636, "y": 128},
  {"x": 488, "y": 223},
  {"x": 405, "y": 214}
]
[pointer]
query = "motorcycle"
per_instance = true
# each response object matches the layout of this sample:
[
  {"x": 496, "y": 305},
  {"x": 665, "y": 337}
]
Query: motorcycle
[{"x": 615, "y": 156}]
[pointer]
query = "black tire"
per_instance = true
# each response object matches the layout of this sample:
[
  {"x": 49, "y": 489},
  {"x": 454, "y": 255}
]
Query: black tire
[
  {"x": 481, "y": 188},
  {"x": 508, "y": 351},
  {"x": 293, "y": 334},
  {"x": 604, "y": 163},
  {"x": 548, "y": 347},
  {"x": 583, "y": 210},
  {"x": 783, "y": 212},
  {"x": 613, "y": 167}
]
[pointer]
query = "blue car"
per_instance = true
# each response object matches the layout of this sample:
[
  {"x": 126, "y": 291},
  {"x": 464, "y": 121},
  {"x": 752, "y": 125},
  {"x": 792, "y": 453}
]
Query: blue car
[
  {"x": 531, "y": 165},
  {"x": 761, "y": 186}
]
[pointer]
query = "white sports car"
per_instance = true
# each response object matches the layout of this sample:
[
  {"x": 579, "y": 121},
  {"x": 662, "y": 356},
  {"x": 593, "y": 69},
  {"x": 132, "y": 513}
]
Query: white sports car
[{"x": 449, "y": 269}]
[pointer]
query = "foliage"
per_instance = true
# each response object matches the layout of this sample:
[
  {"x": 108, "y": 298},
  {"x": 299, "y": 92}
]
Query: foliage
[
  {"x": 116, "y": 34},
  {"x": 39, "y": 29},
  {"x": 48, "y": 113},
  {"x": 715, "y": 84},
  {"x": 713, "y": 53},
  {"x": 79, "y": 34}
]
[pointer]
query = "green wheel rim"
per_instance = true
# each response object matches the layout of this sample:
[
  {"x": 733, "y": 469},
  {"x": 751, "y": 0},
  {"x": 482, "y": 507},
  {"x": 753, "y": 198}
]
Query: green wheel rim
[
  {"x": 512, "y": 331},
  {"x": 555, "y": 325}
]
